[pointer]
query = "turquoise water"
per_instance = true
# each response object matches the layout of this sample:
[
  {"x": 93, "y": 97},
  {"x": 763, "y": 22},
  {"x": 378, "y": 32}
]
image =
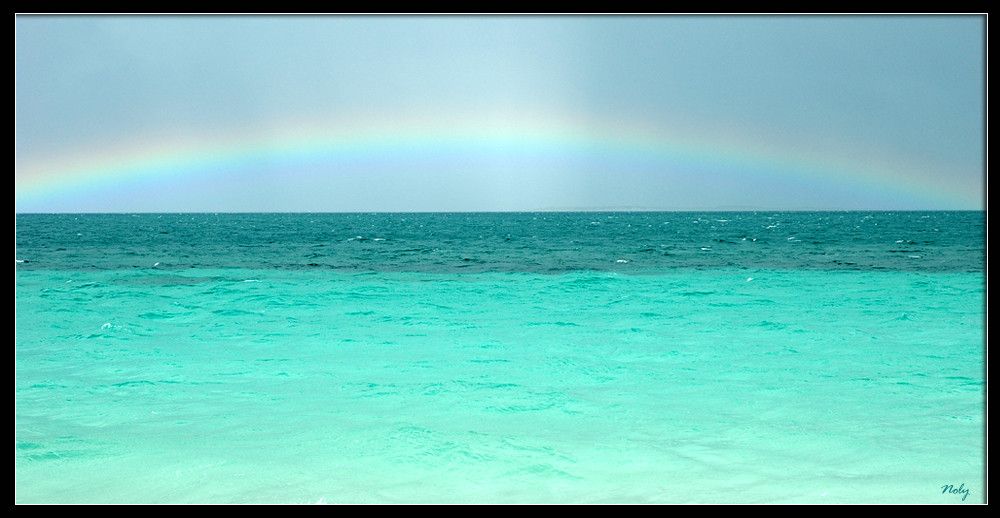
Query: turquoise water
[{"x": 175, "y": 359}]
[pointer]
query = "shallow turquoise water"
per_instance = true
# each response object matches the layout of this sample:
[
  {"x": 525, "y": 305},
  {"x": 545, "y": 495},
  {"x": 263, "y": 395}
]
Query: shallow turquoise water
[{"x": 661, "y": 385}]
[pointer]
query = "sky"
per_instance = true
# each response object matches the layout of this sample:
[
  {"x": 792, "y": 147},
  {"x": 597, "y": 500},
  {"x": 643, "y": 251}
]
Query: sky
[{"x": 335, "y": 113}]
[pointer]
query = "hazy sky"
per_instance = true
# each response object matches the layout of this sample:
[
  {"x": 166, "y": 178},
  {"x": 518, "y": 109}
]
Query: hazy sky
[{"x": 460, "y": 113}]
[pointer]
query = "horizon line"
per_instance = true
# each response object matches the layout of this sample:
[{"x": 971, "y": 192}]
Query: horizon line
[{"x": 529, "y": 211}]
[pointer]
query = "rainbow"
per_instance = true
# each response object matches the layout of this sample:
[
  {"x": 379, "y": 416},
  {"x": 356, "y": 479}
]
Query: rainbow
[{"x": 178, "y": 159}]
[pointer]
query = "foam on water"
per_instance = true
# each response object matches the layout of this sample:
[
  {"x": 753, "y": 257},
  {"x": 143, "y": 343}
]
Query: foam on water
[{"x": 505, "y": 381}]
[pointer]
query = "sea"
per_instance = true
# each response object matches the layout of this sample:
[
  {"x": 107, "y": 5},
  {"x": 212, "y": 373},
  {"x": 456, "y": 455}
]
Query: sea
[{"x": 753, "y": 357}]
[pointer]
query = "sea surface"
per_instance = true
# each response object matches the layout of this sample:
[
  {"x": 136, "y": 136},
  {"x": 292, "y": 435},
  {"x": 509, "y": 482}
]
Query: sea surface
[{"x": 548, "y": 358}]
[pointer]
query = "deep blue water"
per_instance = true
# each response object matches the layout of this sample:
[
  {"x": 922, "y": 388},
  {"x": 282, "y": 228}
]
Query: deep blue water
[{"x": 507, "y": 242}]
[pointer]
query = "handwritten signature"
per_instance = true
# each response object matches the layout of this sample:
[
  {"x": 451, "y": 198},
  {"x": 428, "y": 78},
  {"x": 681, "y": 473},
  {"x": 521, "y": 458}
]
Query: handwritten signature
[{"x": 960, "y": 490}]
